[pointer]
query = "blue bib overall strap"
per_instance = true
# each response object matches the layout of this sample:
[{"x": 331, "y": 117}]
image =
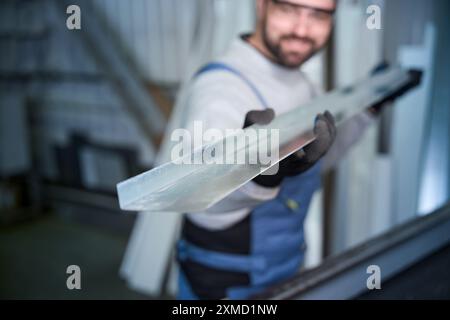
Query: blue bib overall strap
[
  {"x": 277, "y": 238},
  {"x": 219, "y": 260},
  {"x": 219, "y": 66}
]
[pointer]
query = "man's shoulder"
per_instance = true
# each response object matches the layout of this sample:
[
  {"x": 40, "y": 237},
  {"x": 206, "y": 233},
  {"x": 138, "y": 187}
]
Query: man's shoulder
[
  {"x": 228, "y": 67},
  {"x": 227, "y": 81}
]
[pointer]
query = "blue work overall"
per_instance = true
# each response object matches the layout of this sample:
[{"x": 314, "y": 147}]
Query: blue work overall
[{"x": 276, "y": 231}]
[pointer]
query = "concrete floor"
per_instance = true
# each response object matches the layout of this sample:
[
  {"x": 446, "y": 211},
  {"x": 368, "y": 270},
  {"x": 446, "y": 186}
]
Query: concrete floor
[{"x": 34, "y": 256}]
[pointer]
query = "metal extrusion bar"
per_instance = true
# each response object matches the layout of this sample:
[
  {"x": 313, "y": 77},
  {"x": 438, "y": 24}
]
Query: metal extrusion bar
[{"x": 180, "y": 187}]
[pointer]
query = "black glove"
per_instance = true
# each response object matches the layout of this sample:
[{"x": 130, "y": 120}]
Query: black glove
[{"x": 302, "y": 160}]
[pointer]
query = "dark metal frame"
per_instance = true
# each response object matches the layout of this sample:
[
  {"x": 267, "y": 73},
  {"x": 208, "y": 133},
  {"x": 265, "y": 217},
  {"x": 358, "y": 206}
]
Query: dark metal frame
[{"x": 344, "y": 276}]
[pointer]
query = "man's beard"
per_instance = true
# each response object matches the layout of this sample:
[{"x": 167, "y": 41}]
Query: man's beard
[{"x": 281, "y": 57}]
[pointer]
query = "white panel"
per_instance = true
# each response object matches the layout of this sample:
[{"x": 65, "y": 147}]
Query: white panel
[
  {"x": 409, "y": 129},
  {"x": 169, "y": 39},
  {"x": 148, "y": 251},
  {"x": 231, "y": 18},
  {"x": 357, "y": 51},
  {"x": 154, "y": 39},
  {"x": 314, "y": 232},
  {"x": 381, "y": 217},
  {"x": 139, "y": 36}
]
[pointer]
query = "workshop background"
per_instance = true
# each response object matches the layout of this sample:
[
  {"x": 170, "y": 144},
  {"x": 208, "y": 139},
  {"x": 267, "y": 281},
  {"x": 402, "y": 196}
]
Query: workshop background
[{"x": 81, "y": 110}]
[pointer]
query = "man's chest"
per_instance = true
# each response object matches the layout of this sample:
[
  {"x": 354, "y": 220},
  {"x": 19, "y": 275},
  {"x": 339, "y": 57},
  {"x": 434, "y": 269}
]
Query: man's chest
[{"x": 285, "y": 96}]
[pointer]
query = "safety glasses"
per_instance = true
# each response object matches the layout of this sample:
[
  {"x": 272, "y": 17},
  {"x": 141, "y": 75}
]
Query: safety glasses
[{"x": 292, "y": 11}]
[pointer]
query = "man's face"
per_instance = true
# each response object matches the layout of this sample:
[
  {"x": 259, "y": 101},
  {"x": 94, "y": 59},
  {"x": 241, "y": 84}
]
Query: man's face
[{"x": 294, "y": 30}]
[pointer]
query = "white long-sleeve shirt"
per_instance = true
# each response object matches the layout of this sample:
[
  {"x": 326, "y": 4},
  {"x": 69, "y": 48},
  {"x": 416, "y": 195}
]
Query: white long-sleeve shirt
[{"x": 220, "y": 100}]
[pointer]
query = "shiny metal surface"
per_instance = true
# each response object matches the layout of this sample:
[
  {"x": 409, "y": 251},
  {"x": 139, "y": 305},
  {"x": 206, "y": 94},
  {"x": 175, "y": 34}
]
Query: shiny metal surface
[{"x": 195, "y": 187}]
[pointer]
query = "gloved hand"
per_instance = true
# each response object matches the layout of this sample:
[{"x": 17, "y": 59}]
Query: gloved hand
[{"x": 302, "y": 160}]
